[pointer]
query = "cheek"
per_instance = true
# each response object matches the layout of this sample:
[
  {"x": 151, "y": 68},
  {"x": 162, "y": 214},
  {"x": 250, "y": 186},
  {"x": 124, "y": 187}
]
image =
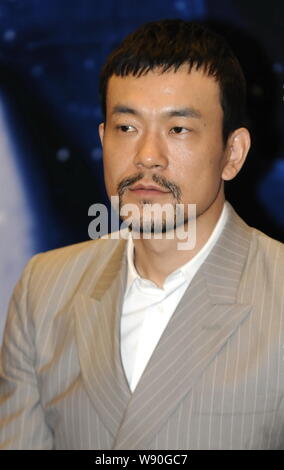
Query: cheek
[
  {"x": 199, "y": 172},
  {"x": 114, "y": 171},
  {"x": 202, "y": 156}
]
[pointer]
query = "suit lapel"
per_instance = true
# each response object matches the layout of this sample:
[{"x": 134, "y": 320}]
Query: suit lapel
[
  {"x": 97, "y": 321},
  {"x": 208, "y": 314}
]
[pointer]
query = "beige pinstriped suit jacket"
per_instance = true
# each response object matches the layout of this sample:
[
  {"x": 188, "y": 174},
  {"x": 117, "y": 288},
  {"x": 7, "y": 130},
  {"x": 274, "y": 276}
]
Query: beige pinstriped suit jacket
[{"x": 214, "y": 381}]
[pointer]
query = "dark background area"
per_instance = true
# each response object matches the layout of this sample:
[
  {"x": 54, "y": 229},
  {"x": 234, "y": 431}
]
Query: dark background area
[{"x": 50, "y": 56}]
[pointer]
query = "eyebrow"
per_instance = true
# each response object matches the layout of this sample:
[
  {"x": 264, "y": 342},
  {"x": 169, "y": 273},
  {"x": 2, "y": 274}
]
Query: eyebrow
[{"x": 180, "y": 112}]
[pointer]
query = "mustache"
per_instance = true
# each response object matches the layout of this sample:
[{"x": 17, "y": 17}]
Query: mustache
[{"x": 158, "y": 179}]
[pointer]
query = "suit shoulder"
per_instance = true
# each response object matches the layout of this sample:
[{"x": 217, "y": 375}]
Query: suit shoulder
[
  {"x": 72, "y": 250},
  {"x": 59, "y": 273},
  {"x": 266, "y": 243},
  {"x": 75, "y": 256},
  {"x": 268, "y": 253},
  {"x": 77, "y": 249}
]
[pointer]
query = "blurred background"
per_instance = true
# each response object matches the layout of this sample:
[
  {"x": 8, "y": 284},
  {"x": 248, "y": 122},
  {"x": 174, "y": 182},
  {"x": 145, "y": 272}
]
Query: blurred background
[{"x": 51, "y": 52}]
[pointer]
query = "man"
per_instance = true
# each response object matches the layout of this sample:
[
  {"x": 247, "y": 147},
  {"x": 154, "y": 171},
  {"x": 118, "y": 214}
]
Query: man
[{"x": 137, "y": 344}]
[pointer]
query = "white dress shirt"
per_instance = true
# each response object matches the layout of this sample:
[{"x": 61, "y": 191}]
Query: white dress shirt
[{"x": 148, "y": 308}]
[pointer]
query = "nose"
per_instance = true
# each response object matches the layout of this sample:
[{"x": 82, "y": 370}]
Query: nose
[{"x": 151, "y": 152}]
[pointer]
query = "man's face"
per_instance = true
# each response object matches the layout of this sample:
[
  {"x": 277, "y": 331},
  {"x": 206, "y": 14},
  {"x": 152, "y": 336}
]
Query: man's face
[{"x": 162, "y": 141}]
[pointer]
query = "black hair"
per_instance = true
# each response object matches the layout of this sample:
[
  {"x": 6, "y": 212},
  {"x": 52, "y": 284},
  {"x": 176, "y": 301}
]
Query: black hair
[{"x": 170, "y": 43}]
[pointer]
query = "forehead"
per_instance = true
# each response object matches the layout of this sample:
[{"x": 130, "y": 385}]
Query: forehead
[{"x": 157, "y": 89}]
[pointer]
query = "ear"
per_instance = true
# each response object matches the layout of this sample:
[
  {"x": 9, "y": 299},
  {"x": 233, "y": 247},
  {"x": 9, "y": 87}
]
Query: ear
[
  {"x": 237, "y": 148},
  {"x": 102, "y": 131}
]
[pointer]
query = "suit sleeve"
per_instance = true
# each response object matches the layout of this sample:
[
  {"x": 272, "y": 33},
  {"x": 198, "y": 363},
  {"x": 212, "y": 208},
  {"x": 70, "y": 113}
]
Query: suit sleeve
[{"x": 22, "y": 420}]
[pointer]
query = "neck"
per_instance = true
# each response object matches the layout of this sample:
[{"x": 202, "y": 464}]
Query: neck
[{"x": 155, "y": 259}]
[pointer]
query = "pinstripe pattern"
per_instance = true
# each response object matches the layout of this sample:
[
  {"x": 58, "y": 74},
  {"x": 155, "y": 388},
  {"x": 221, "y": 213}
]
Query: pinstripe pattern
[{"x": 214, "y": 381}]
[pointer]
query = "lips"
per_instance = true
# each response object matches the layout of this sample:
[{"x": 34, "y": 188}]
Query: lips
[
  {"x": 148, "y": 191},
  {"x": 148, "y": 188}
]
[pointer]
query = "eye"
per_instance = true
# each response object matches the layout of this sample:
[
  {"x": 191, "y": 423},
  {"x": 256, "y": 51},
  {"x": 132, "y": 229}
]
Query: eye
[
  {"x": 125, "y": 128},
  {"x": 179, "y": 130}
]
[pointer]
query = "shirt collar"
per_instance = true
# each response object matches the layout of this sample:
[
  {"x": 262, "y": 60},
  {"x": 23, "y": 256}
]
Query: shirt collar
[{"x": 192, "y": 265}]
